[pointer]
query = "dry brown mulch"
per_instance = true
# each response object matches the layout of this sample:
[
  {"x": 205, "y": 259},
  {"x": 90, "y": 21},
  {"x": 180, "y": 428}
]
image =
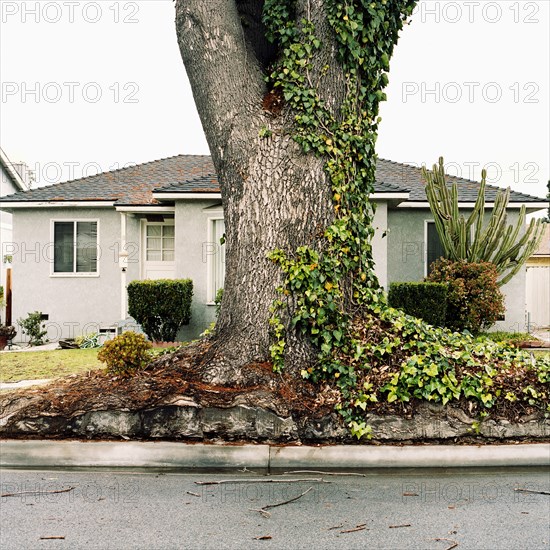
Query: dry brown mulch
[
  {"x": 168, "y": 379},
  {"x": 180, "y": 376}
]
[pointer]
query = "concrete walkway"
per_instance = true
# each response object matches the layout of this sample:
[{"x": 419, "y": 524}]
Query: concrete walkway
[
  {"x": 23, "y": 384},
  {"x": 21, "y": 347}
]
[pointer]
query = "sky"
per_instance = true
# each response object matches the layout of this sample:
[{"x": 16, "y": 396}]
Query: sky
[{"x": 92, "y": 86}]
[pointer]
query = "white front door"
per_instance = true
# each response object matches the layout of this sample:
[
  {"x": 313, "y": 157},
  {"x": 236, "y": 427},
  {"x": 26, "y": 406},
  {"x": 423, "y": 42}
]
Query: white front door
[{"x": 158, "y": 245}]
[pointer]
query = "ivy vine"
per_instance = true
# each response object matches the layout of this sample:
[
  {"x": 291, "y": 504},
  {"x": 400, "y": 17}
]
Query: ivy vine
[
  {"x": 366, "y": 33},
  {"x": 331, "y": 283}
]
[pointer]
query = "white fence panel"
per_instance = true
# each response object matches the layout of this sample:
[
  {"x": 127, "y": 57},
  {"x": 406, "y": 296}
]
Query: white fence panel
[{"x": 538, "y": 295}]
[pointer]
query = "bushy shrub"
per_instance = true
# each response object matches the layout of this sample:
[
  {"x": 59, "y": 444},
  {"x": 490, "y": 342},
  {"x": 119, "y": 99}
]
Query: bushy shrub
[
  {"x": 427, "y": 301},
  {"x": 125, "y": 353},
  {"x": 33, "y": 327},
  {"x": 161, "y": 306},
  {"x": 474, "y": 299}
]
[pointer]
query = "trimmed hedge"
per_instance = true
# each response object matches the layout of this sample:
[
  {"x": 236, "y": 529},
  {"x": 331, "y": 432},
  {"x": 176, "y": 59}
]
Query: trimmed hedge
[
  {"x": 161, "y": 306},
  {"x": 427, "y": 301}
]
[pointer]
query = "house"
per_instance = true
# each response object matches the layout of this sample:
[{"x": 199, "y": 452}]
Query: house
[
  {"x": 11, "y": 181},
  {"x": 538, "y": 284},
  {"x": 78, "y": 243}
]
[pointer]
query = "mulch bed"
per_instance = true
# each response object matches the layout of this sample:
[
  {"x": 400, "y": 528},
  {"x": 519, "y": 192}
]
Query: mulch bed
[{"x": 181, "y": 375}]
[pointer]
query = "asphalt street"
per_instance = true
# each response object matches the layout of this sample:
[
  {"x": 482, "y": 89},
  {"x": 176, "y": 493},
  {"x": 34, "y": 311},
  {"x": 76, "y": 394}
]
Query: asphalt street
[{"x": 397, "y": 509}]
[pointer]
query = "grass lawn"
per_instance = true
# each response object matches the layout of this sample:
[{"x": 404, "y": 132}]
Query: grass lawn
[{"x": 33, "y": 365}]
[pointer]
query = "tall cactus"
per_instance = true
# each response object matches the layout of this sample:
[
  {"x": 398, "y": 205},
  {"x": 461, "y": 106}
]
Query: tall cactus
[{"x": 494, "y": 242}]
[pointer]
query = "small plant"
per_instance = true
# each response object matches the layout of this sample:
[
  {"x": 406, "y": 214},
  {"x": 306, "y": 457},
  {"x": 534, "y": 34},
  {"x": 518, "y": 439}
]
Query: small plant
[
  {"x": 125, "y": 354},
  {"x": 87, "y": 341},
  {"x": 218, "y": 301},
  {"x": 8, "y": 332},
  {"x": 474, "y": 299},
  {"x": 34, "y": 328},
  {"x": 511, "y": 338}
]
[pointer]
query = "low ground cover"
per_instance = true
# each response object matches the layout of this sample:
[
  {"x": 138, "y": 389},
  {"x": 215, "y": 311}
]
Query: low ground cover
[{"x": 389, "y": 363}]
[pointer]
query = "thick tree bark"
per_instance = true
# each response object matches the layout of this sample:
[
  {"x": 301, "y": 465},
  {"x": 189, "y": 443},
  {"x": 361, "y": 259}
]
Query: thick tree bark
[{"x": 274, "y": 196}]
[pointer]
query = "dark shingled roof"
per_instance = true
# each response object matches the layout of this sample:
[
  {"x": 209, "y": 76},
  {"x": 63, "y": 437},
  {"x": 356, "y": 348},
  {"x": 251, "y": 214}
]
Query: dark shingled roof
[
  {"x": 134, "y": 186},
  {"x": 410, "y": 177},
  {"x": 127, "y": 186}
]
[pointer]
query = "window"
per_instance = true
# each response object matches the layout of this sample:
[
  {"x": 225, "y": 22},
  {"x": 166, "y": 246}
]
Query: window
[
  {"x": 75, "y": 247},
  {"x": 159, "y": 243},
  {"x": 215, "y": 252},
  {"x": 435, "y": 249}
]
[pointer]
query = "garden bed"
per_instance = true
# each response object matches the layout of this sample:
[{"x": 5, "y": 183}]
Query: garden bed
[{"x": 169, "y": 400}]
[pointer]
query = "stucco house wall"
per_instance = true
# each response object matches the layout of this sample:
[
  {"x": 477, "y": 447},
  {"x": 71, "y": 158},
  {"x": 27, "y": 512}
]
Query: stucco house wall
[
  {"x": 193, "y": 248},
  {"x": 7, "y": 187},
  {"x": 80, "y": 304},
  {"x": 75, "y": 304},
  {"x": 185, "y": 191}
]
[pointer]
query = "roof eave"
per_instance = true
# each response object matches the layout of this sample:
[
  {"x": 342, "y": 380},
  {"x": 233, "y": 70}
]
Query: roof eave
[
  {"x": 12, "y": 172},
  {"x": 16, "y": 205},
  {"x": 185, "y": 195},
  {"x": 530, "y": 206}
]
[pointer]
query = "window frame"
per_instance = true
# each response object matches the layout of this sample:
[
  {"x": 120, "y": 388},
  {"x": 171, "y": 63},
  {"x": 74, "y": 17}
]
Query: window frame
[
  {"x": 74, "y": 273},
  {"x": 162, "y": 225},
  {"x": 426, "y": 245},
  {"x": 210, "y": 292}
]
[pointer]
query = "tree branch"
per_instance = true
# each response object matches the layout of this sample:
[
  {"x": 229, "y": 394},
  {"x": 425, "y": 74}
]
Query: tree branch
[{"x": 225, "y": 74}]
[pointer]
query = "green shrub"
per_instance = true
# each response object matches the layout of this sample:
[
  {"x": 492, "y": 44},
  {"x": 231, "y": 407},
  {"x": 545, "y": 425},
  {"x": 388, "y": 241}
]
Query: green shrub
[
  {"x": 427, "y": 301},
  {"x": 161, "y": 307},
  {"x": 125, "y": 353},
  {"x": 474, "y": 299},
  {"x": 33, "y": 327},
  {"x": 218, "y": 301}
]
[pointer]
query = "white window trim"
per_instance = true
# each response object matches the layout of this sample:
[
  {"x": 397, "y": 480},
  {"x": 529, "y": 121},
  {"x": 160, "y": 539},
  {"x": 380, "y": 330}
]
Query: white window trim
[
  {"x": 143, "y": 233},
  {"x": 52, "y": 256},
  {"x": 210, "y": 298}
]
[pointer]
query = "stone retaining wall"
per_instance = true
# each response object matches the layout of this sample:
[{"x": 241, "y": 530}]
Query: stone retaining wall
[{"x": 183, "y": 419}]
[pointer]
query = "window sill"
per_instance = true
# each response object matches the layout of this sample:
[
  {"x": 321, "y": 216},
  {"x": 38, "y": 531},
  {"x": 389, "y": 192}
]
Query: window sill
[{"x": 74, "y": 275}]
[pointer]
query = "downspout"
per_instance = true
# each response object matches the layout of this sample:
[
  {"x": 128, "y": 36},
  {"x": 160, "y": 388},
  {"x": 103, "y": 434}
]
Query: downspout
[{"x": 123, "y": 263}]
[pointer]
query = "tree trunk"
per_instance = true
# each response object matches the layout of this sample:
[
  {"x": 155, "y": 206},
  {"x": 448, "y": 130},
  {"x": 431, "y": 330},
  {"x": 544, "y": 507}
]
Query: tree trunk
[{"x": 274, "y": 196}]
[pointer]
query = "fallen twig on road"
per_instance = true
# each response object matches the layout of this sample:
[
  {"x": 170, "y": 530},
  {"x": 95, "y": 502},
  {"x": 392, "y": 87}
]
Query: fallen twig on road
[
  {"x": 397, "y": 526},
  {"x": 325, "y": 473},
  {"x": 52, "y": 538},
  {"x": 454, "y": 545},
  {"x": 519, "y": 489},
  {"x": 264, "y": 509},
  {"x": 263, "y": 537},
  {"x": 335, "y": 527},
  {"x": 360, "y": 527},
  {"x": 36, "y": 492},
  {"x": 267, "y": 480},
  {"x": 192, "y": 494}
]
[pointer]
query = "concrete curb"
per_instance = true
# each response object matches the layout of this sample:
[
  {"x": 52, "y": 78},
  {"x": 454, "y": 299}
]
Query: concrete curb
[
  {"x": 35, "y": 454},
  {"x": 425, "y": 456},
  {"x": 130, "y": 454}
]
